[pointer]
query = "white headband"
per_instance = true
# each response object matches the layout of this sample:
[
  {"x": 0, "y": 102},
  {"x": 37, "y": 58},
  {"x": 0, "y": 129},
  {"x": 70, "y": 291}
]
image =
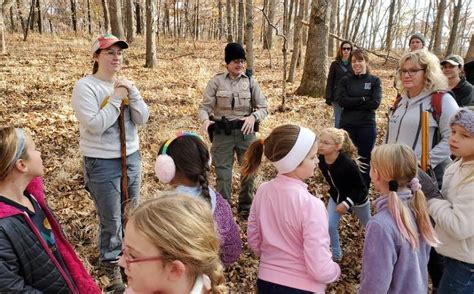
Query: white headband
[{"x": 298, "y": 152}]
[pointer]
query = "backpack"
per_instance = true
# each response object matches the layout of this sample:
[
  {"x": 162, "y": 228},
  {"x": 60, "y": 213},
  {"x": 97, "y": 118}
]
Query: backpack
[{"x": 436, "y": 111}]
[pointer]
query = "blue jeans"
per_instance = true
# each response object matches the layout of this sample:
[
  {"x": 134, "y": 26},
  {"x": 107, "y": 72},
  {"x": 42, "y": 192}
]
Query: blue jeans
[
  {"x": 337, "y": 113},
  {"x": 458, "y": 277},
  {"x": 265, "y": 287},
  {"x": 362, "y": 212},
  {"x": 102, "y": 180}
]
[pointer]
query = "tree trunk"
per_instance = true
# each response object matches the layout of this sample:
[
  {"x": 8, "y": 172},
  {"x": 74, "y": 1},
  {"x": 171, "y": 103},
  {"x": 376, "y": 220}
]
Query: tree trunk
[
  {"x": 304, "y": 34},
  {"x": 138, "y": 17},
  {"x": 129, "y": 18},
  {"x": 359, "y": 19},
  {"x": 12, "y": 20},
  {"x": 296, "y": 42},
  {"x": 39, "y": 19},
  {"x": 105, "y": 10},
  {"x": 150, "y": 34},
  {"x": 388, "y": 40},
  {"x": 116, "y": 19},
  {"x": 249, "y": 36},
  {"x": 240, "y": 23},
  {"x": 268, "y": 38},
  {"x": 89, "y": 18},
  {"x": 197, "y": 20},
  {"x": 332, "y": 28},
  {"x": 4, "y": 6},
  {"x": 470, "y": 52},
  {"x": 425, "y": 30},
  {"x": 20, "y": 15},
  {"x": 454, "y": 28},
  {"x": 221, "y": 23},
  {"x": 73, "y": 15},
  {"x": 315, "y": 65},
  {"x": 228, "y": 12},
  {"x": 439, "y": 27},
  {"x": 348, "y": 21}
]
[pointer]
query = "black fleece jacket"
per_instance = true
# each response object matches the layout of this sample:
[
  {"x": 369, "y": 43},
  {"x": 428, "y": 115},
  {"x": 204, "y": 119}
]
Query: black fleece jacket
[
  {"x": 345, "y": 180},
  {"x": 360, "y": 95},
  {"x": 463, "y": 93},
  {"x": 337, "y": 70}
]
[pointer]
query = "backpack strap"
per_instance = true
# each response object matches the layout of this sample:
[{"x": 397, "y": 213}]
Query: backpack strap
[{"x": 437, "y": 109}]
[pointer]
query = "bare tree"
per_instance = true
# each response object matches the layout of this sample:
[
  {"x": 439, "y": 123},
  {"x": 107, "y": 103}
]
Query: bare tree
[
  {"x": 332, "y": 28},
  {"x": 454, "y": 29},
  {"x": 221, "y": 23},
  {"x": 315, "y": 65},
  {"x": 20, "y": 15},
  {"x": 105, "y": 9},
  {"x": 116, "y": 18},
  {"x": 388, "y": 40},
  {"x": 89, "y": 18},
  {"x": 268, "y": 38},
  {"x": 139, "y": 17},
  {"x": 39, "y": 20},
  {"x": 4, "y": 6},
  {"x": 360, "y": 13},
  {"x": 74, "y": 15},
  {"x": 240, "y": 23},
  {"x": 129, "y": 20},
  {"x": 296, "y": 42},
  {"x": 249, "y": 35},
  {"x": 228, "y": 12},
  {"x": 150, "y": 34},
  {"x": 439, "y": 27}
]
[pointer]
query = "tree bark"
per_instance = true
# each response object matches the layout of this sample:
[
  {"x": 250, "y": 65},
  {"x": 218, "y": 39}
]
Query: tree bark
[
  {"x": 268, "y": 38},
  {"x": 249, "y": 35},
  {"x": 240, "y": 23},
  {"x": 439, "y": 27},
  {"x": 20, "y": 15},
  {"x": 129, "y": 22},
  {"x": 4, "y": 6},
  {"x": 39, "y": 20},
  {"x": 388, "y": 40},
  {"x": 221, "y": 23},
  {"x": 228, "y": 12},
  {"x": 150, "y": 34},
  {"x": 73, "y": 15},
  {"x": 332, "y": 28},
  {"x": 116, "y": 19},
  {"x": 454, "y": 29},
  {"x": 359, "y": 20},
  {"x": 105, "y": 10},
  {"x": 138, "y": 17},
  {"x": 89, "y": 18},
  {"x": 296, "y": 42},
  {"x": 315, "y": 65}
]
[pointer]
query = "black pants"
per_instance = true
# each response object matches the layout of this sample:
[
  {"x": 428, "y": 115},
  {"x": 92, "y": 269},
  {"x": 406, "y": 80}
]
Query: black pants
[
  {"x": 435, "y": 268},
  {"x": 265, "y": 287}
]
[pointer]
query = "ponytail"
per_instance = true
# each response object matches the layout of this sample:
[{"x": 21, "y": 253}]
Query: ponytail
[
  {"x": 423, "y": 219},
  {"x": 401, "y": 216},
  {"x": 216, "y": 275},
  {"x": 252, "y": 158}
]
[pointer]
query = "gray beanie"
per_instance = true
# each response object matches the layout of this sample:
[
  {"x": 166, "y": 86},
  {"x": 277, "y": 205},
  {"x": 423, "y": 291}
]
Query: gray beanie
[
  {"x": 465, "y": 118},
  {"x": 420, "y": 37}
]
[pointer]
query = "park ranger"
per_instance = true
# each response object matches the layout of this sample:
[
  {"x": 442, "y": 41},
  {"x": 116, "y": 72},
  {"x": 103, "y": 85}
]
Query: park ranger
[{"x": 232, "y": 106}]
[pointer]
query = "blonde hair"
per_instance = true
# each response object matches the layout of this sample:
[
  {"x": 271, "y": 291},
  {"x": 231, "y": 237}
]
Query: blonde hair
[
  {"x": 435, "y": 80},
  {"x": 182, "y": 228},
  {"x": 341, "y": 137},
  {"x": 398, "y": 162},
  {"x": 276, "y": 146},
  {"x": 8, "y": 146}
]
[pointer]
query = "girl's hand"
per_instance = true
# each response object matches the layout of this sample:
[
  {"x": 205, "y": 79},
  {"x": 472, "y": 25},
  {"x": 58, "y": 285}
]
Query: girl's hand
[
  {"x": 341, "y": 209},
  {"x": 123, "y": 82},
  {"x": 120, "y": 93}
]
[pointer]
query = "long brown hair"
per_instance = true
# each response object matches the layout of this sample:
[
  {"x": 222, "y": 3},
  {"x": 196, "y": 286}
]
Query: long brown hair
[
  {"x": 339, "y": 52},
  {"x": 95, "y": 67},
  {"x": 360, "y": 54}
]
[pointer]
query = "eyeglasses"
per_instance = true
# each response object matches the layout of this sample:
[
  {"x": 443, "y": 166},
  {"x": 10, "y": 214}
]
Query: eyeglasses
[
  {"x": 129, "y": 259},
  {"x": 346, "y": 48},
  {"x": 239, "y": 61},
  {"x": 411, "y": 72}
]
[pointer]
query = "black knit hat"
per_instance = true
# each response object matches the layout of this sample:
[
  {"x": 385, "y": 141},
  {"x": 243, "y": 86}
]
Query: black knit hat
[{"x": 234, "y": 51}]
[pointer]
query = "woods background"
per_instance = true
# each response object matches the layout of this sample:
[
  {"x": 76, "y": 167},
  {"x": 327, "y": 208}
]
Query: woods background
[{"x": 176, "y": 47}]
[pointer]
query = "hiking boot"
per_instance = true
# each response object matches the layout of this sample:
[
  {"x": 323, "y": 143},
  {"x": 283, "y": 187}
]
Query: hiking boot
[{"x": 113, "y": 272}]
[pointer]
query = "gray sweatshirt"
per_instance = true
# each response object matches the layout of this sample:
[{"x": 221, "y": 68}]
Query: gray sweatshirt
[
  {"x": 404, "y": 123},
  {"x": 97, "y": 112}
]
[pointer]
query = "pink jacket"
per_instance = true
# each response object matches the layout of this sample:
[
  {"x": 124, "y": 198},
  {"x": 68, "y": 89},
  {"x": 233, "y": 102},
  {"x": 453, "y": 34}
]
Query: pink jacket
[{"x": 288, "y": 230}]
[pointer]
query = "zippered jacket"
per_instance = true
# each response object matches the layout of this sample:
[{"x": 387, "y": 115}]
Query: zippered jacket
[
  {"x": 345, "y": 180},
  {"x": 27, "y": 265},
  {"x": 404, "y": 126}
]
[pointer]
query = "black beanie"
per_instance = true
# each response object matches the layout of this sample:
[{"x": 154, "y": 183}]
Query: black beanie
[{"x": 234, "y": 51}]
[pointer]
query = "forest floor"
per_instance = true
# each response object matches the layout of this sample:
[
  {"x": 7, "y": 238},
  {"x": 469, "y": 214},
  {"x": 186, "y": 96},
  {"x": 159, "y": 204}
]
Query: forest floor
[{"x": 36, "y": 81}]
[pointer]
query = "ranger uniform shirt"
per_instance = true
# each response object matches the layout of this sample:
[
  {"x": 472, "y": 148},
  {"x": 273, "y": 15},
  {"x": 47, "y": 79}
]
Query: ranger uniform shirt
[{"x": 232, "y": 98}]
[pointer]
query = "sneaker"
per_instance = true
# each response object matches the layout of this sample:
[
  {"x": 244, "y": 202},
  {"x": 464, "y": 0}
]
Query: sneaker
[
  {"x": 337, "y": 258},
  {"x": 113, "y": 272}
]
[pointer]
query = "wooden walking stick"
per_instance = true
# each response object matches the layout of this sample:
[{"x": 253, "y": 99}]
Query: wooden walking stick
[
  {"x": 424, "y": 140},
  {"x": 123, "y": 156}
]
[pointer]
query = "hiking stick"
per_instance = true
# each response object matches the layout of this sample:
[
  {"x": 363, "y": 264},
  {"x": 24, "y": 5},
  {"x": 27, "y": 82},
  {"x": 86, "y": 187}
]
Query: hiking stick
[
  {"x": 123, "y": 156},
  {"x": 424, "y": 140}
]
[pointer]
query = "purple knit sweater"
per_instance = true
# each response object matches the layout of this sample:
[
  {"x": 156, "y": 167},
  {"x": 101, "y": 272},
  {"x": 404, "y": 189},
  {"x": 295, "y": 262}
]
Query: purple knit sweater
[
  {"x": 227, "y": 228},
  {"x": 389, "y": 264}
]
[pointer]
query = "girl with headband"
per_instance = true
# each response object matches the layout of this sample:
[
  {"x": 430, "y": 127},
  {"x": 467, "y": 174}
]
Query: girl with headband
[
  {"x": 398, "y": 237},
  {"x": 184, "y": 163},
  {"x": 288, "y": 227},
  {"x": 35, "y": 257},
  {"x": 453, "y": 215}
]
